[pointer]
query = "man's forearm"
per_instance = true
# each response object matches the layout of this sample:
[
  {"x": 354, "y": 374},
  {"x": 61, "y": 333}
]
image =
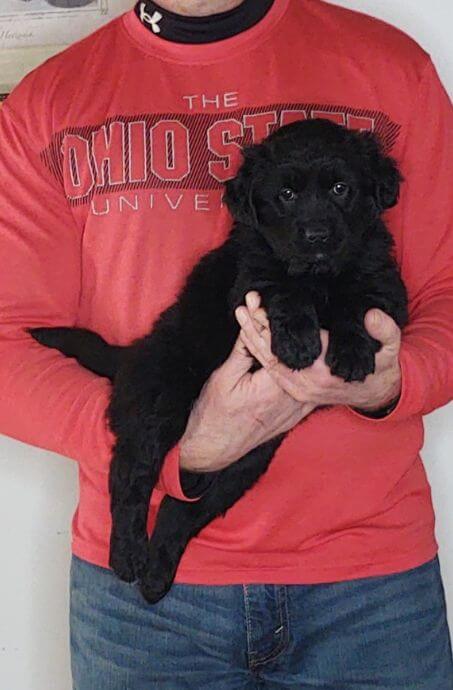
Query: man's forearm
[{"x": 50, "y": 401}]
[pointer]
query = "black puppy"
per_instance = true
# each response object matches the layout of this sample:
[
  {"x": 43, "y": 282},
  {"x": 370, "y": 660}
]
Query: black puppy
[{"x": 309, "y": 238}]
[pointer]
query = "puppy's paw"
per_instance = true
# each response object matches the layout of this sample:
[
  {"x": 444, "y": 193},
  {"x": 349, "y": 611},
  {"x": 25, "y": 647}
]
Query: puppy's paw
[
  {"x": 161, "y": 567},
  {"x": 351, "y": 354},
  {"x": 154, "y": 587},
  {"x": 128, "y": 560},
  {"x": 296, "y": 341},
  {"x": 158, "y": 578}
]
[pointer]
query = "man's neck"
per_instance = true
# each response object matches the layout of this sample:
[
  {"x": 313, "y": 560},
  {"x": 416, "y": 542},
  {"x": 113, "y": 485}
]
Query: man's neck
[{"x": 199, "y": 8}]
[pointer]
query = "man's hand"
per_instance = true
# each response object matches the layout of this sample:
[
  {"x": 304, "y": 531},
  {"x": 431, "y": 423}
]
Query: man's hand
[
  {"x": 315, "y": 385},
  {"x": 236, "y": 412}
]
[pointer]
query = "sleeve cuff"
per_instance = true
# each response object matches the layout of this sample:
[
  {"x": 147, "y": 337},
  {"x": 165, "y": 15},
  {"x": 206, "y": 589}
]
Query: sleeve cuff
[
  {"x": 170, "y": 477},
  {"x": 411, "y": 400},
  {"x": 180, "y": 484}
]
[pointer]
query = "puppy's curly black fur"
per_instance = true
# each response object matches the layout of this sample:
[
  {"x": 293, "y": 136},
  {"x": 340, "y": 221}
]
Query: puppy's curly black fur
[{"x": 308, "y": 236}]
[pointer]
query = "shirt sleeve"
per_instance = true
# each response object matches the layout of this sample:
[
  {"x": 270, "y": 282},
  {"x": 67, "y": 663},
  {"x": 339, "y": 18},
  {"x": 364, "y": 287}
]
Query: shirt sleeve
[
  {"x": 46, "y": 399},
  {"x": 182, "y": 484},
  {"x": 424, "y": 221}
]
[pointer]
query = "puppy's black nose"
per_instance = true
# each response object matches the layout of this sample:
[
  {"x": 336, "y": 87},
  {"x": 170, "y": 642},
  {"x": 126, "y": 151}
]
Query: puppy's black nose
[{"x": 317, "y": 234}]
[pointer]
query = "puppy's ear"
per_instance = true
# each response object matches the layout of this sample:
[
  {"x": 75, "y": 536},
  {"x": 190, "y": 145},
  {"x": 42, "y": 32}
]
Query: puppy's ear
[
  {"x": 388, "y": 183},
  {"x": 239, "y": 190},
  {"x": 383, "y": 173}
]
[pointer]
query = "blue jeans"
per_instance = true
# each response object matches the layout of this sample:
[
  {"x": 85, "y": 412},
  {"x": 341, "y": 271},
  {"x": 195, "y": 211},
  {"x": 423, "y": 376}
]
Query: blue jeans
[{"x": 376, "y": 633}]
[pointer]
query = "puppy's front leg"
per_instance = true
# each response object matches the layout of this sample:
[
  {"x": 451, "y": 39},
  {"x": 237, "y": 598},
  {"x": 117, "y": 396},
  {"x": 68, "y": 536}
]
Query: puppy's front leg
[
  {"x": 294, "y": 327},
  {"x": 351, "y": 351},
  {"x": 351, "y": 354}
]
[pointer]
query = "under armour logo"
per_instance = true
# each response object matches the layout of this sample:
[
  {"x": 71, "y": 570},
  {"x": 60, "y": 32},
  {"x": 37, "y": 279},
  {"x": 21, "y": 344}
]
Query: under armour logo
[{"x": 152, "y": 20}]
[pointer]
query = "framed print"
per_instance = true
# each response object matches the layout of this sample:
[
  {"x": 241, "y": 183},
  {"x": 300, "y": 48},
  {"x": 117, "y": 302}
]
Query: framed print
[{"x": 33, "y": 30}]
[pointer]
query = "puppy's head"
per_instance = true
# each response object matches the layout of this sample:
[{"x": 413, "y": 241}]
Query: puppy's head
[{"x": 312, "y": 189}]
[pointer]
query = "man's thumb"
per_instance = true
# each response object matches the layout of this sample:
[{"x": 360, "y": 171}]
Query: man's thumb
[{"x": 382, "y": 327}]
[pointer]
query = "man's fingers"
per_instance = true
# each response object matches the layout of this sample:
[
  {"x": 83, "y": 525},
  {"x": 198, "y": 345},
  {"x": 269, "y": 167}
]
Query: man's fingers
[
  {"x": 250, "y": 347},
  {"x": 253, "y": 300},
  {"x": 324, "y": 336},
  {"x": 382, "y": 327},
  {"x": 238, "y": 363},
  {"x": 286, "y": 379},
  {"x": 255, "y": 351},
  {"x": 260, "y": 318},
  {"x": 259, "y": 343},
  {"x": 257, "y": 313}
]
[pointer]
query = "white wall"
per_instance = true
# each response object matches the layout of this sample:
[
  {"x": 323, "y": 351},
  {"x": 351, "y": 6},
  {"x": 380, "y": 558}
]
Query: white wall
[{"x": 38, "y": 490}]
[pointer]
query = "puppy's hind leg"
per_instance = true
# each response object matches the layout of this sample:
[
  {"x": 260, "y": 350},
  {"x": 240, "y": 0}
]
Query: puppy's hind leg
[
  {"x": 131, "y": 482},
  {"x": 136, "y": 464},
  {"x": 148, "y": 414},
  {"x": 179, "y": 521}
]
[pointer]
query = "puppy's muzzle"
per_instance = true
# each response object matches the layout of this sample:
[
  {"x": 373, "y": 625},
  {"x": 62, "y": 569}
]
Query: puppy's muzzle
[{"x": 316, "y": 234}]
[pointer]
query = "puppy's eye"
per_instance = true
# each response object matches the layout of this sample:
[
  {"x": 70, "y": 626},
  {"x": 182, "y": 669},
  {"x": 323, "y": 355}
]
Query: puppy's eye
[
  {"x": 287, "y": 194},
  {"x": 340, "y": 189}
]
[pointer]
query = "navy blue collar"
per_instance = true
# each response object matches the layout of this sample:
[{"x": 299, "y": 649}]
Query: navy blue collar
[{"x": 216, "y": 27}]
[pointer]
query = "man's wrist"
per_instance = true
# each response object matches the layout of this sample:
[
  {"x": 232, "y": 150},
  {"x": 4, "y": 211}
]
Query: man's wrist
[
  {"x": 194, "y": 458},
  {"x": 194, "y": 478},
  {"x": 387, "y": 400},
  {"x": 191, "y": 460}
]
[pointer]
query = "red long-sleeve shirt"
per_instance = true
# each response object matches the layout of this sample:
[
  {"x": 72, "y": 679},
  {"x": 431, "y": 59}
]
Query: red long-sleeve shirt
[{"x": 112, "y": 160}]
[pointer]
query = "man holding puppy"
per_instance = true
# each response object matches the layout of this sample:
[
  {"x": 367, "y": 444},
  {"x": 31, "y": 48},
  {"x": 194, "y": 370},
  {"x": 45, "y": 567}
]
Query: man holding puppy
[{"x": 325, "y": 573}]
